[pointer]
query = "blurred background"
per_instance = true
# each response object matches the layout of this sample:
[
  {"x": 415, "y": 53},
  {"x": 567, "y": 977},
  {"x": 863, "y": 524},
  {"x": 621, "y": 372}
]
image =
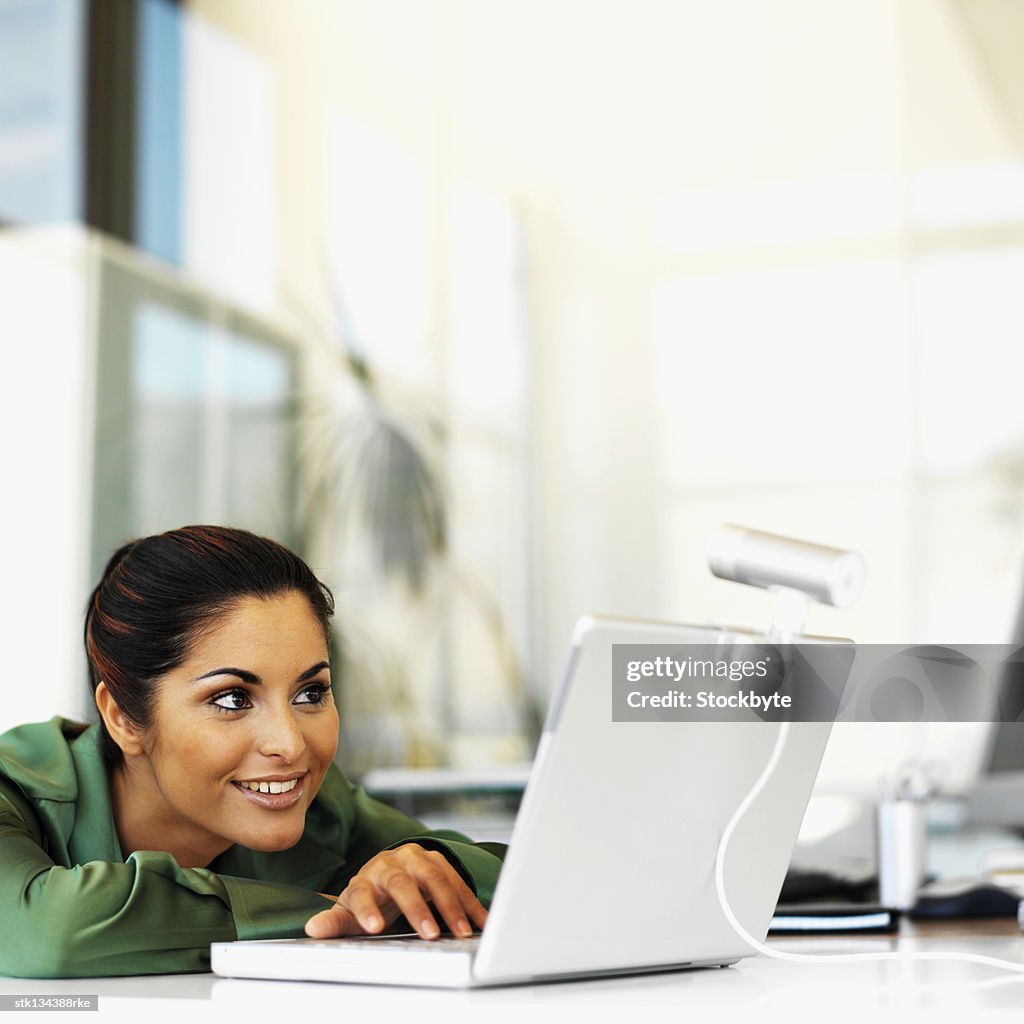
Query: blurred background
[{"x": 495, "y": 310}]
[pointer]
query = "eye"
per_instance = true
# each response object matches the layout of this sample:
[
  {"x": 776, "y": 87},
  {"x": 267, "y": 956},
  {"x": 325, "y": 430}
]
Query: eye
[
  {"x": 232, "y": 700},
  {"x": 318, "y": 693}
]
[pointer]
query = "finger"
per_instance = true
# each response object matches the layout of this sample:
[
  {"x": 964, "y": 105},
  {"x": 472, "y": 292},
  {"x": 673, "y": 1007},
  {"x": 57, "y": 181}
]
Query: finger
[
  {"x": 332, "y": 922},
  {"x": 361, "y": 897},
  {"x": 476, "y": 910},
  {"x": 472, "y": 906},
  {"x": 452, "y": 898},
  {"x": 405, "y": 893}
]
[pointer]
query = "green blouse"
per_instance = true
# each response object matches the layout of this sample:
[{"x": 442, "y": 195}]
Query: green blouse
[{"x": 73, "y": 906}]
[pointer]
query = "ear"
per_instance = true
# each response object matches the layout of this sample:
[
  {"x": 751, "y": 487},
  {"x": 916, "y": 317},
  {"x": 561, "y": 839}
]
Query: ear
[{"x": 122, "y": 732}]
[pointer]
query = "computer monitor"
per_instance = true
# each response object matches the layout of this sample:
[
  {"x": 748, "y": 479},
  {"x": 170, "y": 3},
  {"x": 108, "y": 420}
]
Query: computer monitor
[{"x": 998, "y": 795}]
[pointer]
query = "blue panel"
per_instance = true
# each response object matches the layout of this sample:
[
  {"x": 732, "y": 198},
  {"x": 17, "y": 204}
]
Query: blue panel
[
  {"x": 158, "y": 130},
  {"x": 41, "y": 91}
]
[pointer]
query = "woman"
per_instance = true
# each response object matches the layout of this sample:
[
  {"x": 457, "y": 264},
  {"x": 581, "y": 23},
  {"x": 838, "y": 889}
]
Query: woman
[{"x": 205, "y": 806}]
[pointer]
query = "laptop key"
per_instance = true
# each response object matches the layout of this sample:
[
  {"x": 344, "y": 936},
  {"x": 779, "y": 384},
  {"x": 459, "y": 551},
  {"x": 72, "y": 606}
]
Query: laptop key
[{"x": 441, "y": 945}]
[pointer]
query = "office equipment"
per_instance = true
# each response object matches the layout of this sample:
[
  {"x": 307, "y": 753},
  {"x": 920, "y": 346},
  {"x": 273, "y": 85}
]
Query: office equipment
[
  {"x": 828, "y": 575},
  {"x": 796, "y": 571},
  {"x": 815, "y": 884},
  {"x": 607, "y": 803},
  {"x": 901, "y": 843},
  {"x": 1004, "y": 866},
  {"x": 998, "y": 795},
  {"x": 833, "y": 918},
  {"x": 964, "y": 897}
]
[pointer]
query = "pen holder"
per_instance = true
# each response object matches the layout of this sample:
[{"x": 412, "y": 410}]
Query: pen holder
[{"x": 901, "y": 852}]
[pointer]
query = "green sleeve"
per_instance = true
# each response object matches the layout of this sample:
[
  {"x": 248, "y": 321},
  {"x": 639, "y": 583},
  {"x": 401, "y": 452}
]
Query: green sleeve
[
  {"x": 145, "y": 916},
  {"x": 379, "y": 827}
]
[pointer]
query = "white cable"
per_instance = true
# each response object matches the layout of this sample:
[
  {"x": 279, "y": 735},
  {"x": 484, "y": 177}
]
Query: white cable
[{"x": 778, "y": 954}]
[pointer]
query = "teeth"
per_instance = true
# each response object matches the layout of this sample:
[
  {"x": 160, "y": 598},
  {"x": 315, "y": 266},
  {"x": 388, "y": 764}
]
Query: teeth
[{"x": 271, "y": 787}]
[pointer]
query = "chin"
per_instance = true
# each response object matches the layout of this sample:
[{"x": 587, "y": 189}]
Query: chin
[{"x": 272, "y": 841}]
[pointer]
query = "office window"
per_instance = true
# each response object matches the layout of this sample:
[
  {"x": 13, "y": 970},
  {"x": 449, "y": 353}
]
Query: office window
[
  {"x": 229, "y": 224},
  {"x": 159, "y": 129},
  {"x": 752, "y": 382},
  {"x": 377, "y": 247},
  {"x": 258, "y": 470},
  {"x": 966, "y": 195},
  {"x": 168, "y": 357},
  {"x": 41, "y": 74},
  {"x": 211, "y": 407},
  {"x": 732, "y": 217},
  {"x": 488, "y": 468},
  {"x": 194, "y": 419},
  {"x": 866, "y": 313},
  {"x": 970, "y": 309}
]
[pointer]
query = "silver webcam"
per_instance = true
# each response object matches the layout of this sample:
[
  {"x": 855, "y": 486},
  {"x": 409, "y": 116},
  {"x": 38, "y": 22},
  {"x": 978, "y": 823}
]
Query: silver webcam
[{"x": 827, "y": 575}]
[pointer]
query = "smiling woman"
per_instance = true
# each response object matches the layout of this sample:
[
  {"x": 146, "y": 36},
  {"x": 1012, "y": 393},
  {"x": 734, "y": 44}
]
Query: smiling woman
[{"x": 205, "y": 804}]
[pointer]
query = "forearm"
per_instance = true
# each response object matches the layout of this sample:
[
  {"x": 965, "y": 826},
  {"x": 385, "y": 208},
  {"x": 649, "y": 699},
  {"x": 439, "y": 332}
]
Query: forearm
[{"x": 145, "y": 916}]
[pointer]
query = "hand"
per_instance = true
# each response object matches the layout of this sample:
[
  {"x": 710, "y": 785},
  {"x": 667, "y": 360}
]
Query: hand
[{"x": 397, "y": 882}]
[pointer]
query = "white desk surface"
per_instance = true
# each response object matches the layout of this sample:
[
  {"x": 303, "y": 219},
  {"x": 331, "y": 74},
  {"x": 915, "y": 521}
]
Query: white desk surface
[{"x": 756, "y": 989}]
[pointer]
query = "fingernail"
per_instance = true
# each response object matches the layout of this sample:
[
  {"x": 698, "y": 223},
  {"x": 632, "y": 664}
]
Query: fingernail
[
  {"x": 463, "y": 928},
  {"x": 373, "y": 923},
  {"x": 428, "y": 928}
]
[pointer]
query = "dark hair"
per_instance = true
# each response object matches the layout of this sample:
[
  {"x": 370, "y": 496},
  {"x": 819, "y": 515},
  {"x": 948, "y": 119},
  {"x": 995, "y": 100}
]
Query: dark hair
[{"x": 159, "y": 594}]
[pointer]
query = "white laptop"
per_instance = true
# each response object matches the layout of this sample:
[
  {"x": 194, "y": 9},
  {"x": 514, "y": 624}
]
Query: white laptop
[{"x": 610, "y": 867}]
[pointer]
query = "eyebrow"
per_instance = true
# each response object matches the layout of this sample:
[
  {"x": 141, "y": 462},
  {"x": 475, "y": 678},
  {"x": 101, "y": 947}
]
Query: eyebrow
[{"x": 251, "y": 677}]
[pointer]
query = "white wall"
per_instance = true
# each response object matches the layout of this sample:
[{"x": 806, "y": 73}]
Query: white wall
[{"x": 45, "y": 423}]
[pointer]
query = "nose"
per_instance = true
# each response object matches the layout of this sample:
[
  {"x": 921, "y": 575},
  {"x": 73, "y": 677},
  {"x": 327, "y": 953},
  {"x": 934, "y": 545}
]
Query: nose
[{"x": 281, "y": 737}]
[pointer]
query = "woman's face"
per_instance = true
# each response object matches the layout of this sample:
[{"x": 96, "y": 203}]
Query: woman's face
[{"x": 244, "y": 730}]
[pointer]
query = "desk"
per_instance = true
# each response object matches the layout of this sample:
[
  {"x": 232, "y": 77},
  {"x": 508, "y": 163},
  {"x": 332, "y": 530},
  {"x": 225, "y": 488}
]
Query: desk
[{"x": 756, "y": 989}]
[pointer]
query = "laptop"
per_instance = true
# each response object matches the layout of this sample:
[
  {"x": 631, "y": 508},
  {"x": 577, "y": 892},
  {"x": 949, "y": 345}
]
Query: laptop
[{"x": 610, "y": 867}]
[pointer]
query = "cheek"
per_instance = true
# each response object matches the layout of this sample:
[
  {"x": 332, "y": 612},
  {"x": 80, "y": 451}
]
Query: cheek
[
  {"x": 209, "y": 752},
  {"x": 322, "y": 736}
]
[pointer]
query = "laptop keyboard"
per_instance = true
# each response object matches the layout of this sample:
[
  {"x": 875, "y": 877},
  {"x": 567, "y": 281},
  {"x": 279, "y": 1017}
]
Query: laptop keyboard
[{"x": 442, "y": 945}]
